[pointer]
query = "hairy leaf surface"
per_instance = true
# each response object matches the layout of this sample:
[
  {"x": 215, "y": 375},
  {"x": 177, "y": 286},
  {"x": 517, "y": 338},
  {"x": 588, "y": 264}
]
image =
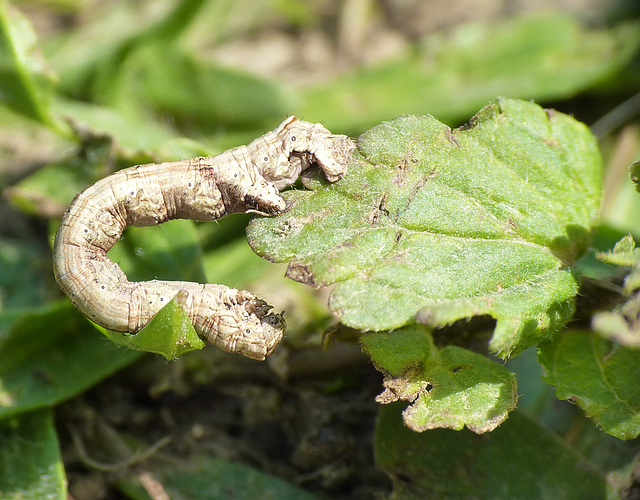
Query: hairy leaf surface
[{"x": 435, "y": 225}]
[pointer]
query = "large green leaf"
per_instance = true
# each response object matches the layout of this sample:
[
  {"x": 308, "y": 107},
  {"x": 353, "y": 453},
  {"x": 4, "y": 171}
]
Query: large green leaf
[
  {"x": 600, "y": 376},
  {"x": 30, "y": 462},
  {"x": 520, "y": 459},
  {"x": 438, "y": 225},
  {"x": 448, "y": 388}
]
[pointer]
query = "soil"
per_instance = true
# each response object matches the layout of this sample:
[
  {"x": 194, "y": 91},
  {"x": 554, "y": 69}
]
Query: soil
[{"x": 313, "y": 428}]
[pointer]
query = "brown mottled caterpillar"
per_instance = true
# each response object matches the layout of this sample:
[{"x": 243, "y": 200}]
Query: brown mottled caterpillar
[{"x": 243, "y": 179}]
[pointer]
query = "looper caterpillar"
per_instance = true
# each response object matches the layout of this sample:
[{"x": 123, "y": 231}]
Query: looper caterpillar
[{"x": 243, "y": 179}]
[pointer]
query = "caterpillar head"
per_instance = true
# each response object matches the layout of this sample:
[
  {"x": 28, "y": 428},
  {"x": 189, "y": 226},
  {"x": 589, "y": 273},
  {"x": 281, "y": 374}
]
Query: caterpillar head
[{"x": 248, "y": 330}]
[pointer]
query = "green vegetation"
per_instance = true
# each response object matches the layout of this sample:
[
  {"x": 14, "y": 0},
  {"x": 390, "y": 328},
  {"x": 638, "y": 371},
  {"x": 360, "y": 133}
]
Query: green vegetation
[{"x": 486, "y": 271}]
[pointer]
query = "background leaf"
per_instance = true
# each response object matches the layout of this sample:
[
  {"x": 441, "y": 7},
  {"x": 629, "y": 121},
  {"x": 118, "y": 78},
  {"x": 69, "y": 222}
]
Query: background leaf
[
  {"x": 211, "y": 478},
  {"x": 51, "y": 354},
  {"x": 520, "y": 459},
  {"x": 26, "y": 82},
  {"x": 30, "y": 460},
  {"x": 598, "y": 375},
  {"x": 450, "y": 75},
  {"x": 441, "y": 225}
]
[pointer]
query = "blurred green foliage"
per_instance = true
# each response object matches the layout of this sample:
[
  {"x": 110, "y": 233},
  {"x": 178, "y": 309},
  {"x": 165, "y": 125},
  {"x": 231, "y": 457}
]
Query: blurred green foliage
[{"x": 136, "y": 82}]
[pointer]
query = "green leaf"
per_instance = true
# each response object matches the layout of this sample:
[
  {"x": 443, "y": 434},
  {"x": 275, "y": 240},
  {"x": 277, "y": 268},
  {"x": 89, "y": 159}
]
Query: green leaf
[
  {"x": 622, "y": 323},
  {"x": 26, "y": 82},
  {"x": 600, "y": 376},
  {"x": 133, "y": 133},
  {"x": 50, "y": 354},
  {"x": 23, "y": 282},
  {"x": 625, "y": 254},
  {"x": 451, "y": 73},
  {"x": 49, "y": 190},
  {"x": 520, "y": 459},
  {"x": 211, "y": 478},
  {"x": 175, "y": 82},
  {"x": 449, "y": 388},
  {"x": 438, "y": 225},
  {"x": 30, "y": 462},
  {"x": 169, "y": 333}
]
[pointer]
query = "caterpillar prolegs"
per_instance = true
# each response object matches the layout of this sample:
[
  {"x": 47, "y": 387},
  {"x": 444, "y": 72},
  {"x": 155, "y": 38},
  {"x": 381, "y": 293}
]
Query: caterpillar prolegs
[{"x": 243, "y": 179}]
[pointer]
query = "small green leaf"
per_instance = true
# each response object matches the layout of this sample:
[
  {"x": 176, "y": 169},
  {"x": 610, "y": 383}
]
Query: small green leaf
[
  {"x": 622, "y": 323},
  {"x": 449, "y": 388},
  {"x": 600, "y": 376},
  {"x": 439, "y": 225},
  {"x": 520, "y": 459},
  {"x": 625, "y": 254},
  {"x": 30, "y": 462},
  {"x": 169, "y": 333}
]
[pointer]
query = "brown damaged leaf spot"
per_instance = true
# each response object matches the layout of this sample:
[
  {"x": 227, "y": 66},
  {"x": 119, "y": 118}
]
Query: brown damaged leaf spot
[
  {"x": 456, "y": 369},
  {"x": 403, "y": 169},
  {"x": 449, "y": 134},
  {"x": 426, "y": 317},
  {"x": 302, "y": 274},
  {"x": 477, "y": 118},
  {"x": 551, "y": 142},
  {"x": 288, "y": 227},
  {"x": 511, "y": 226},
  {"x": 321, "y": 214},
  {"x": 396, "y": 389},
  {"x": 417, "y": 187},
  {"x": 378, "y": 210}
]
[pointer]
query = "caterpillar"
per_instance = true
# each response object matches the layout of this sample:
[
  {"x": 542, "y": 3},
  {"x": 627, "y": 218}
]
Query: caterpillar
[{"x": 244, "y": 179}]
